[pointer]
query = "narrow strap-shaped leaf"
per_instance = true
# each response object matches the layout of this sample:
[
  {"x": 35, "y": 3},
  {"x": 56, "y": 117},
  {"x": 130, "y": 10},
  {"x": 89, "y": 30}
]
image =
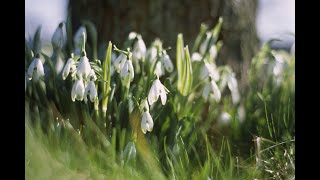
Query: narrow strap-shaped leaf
[
  {"x": 187, "y": 74},
  {"x": 106, "y": 77},
  {"x": 179, "y": 61}
]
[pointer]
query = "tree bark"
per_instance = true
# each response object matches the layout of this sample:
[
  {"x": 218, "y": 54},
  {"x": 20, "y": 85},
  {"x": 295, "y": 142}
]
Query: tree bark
[{"x": 115, "y": 19}]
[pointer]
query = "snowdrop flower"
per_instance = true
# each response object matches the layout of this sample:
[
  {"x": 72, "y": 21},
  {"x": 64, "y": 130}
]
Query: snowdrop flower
[
  {"x": 92, "y": 75},
  {"x": 196, "y": 57},
  {"x": 127, "y": 71},
  {"x": 152, "y": 54},
  {"x": 90, "y": 89},
  {"x": 204, "y": 44},
  {"x": 157, "y": 89},
  {"x": 132, "y": 35},
  {"x": 224, "y": 118},
  {"x": 35, "y": 69},
  {"x": 159, "y": 70},
  {"x": 69, "y": 67},
  {"x": 211, "y": 87},
  {"x": 139, "y": 49},
  {"x": 84, "y": 68},
  {"x": 211, "y": 71},
  {"x": 77, "y": 91},
  {"x": 119, "y": 62},
  {"x": 58, "y": 39},
  {"x": 146, "y": 122},
  {"x": 233, "y": 86},
  {"x": 144, "y": 106},
  {"x": 213, "y": 51},
  {"x": 166, "y": 61}
]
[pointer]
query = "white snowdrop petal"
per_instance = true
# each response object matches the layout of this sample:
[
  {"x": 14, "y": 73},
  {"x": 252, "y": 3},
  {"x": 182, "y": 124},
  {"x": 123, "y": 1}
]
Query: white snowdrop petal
[
  {"x": 131, "y": 70},
  {"x": 153, "y": 94},
  {"x": 196, "y": 57},
  {"x": 119, "y": 62},
  {"x": 163, "y": 96},
  {"x": 31, "y": 69},
  {"x": 152, "y": 54},
  {"x": 213, "y": 51},
  {"x": 84, "y": 68},
  {"x": 212, "y": 72},
  {"x": 67, "y": 68},
  {"x": 167, "y": 63},
  {"x": 159, "y": 69},
  {"x": 124, "y": 70},
  {"x": 216, "y": 91},
  {"x": 144, "y": 125},
  {"x": 149, "y": 121},
  {"x": 139, "y": 49}
]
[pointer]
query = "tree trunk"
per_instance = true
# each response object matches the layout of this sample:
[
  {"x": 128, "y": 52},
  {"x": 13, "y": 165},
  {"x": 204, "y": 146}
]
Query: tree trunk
[{"x": 115, "y": 19}]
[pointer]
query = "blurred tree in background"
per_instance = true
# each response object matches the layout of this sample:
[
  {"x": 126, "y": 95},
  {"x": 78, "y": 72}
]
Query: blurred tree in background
[{"x": 115, "y": 19}]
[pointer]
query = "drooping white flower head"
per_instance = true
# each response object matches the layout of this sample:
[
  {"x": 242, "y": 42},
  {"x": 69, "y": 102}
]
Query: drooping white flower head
[
  {"x": 159, "y": 70},
  {"x": 146, "y": 122},
  {"x": 77, "y": 91},
  {"x": 196, "y": 57},
  {"x": 58, "y": 39},
  {"x": 167, "y": 62},
  {"x": 84, "y": 68},
  {"x": 139, "y": 49},
  {"x": 144, "y": 106},
  {"x": 90, "y": 89},
  {"x": 213, "y": 51},
  {"x": 211, "y": 71},
  {"x": 233, "y": 86},
  {"x": 127, "y": 70},
  {"x": 35, "y": 69},
  {"x": 152, "y": 54},
  {"x": 77, "y": 39},
  {"x": 157, "y": 89},
  {"x": 92, "y": 75},
  {"x": 119, "y": 62},
  {"x": 69, "y": 67},
  {"x": 224, "y": 119},
  {"x": 241, "y": 112},
  {"x": 211, "y": 87},
  {"x": 132, "y": 35},
  {"x": 204, "y": 44},
  {"x": 216, "y": 91}
]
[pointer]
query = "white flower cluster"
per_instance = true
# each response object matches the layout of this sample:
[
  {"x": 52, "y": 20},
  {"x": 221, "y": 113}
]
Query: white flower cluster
[
  {"x": 157, "y": 89},
  {"x": 124, "y": 67},
  {"x": 84, "y": 79},
  {"x": 35, "y": 70},
  {"x": 164, "y": 63}
]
